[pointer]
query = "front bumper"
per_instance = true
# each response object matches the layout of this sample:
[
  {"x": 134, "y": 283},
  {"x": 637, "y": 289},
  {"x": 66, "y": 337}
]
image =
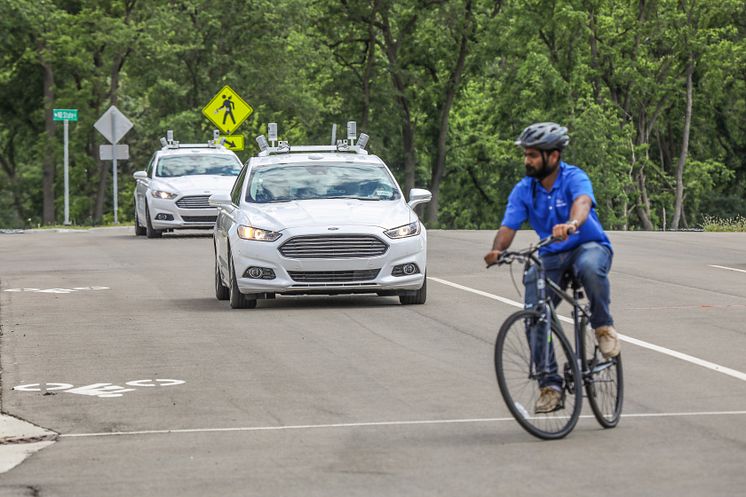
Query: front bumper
[
  {"x": 180, "y": 217},
  {"x": 247, "y": 253}
]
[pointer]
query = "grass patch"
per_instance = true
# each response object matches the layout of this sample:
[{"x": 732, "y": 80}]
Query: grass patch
[{"x": 735, "y": 224}]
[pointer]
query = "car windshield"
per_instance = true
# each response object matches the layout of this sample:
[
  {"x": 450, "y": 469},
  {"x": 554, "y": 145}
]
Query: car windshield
[
  {"x": 188, "y": 165},
  {"x": 286, "y": 182}
]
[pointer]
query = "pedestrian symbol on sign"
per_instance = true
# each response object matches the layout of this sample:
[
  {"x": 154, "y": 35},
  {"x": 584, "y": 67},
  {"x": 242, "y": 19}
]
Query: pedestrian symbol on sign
[{"x": 227, "y": 107}]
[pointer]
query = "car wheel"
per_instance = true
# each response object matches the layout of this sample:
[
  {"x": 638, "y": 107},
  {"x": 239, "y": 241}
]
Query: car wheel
[
  {"x": 418, "y": 298},
  {"x": 139, "y": 230},
  {"x": 150, "y": 232},
  {"x": 238, "y": 300},
  {"x": 222, "y": 292}
]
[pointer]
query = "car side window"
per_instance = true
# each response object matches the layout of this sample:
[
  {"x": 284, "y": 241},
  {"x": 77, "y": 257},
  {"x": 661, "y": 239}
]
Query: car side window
[
  {"x": 236, "y": 191},
  {"x": 151, "y": 164}
]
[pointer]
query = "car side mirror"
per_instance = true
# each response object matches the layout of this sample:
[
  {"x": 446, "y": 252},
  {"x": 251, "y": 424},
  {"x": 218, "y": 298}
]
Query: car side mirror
[
  {"x": 140, "y": 175},
  {"x": 219, "y": 200},
  {"x": 419, "y": 196}
]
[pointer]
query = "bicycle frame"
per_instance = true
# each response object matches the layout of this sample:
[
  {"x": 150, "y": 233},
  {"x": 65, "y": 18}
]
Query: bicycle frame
[{"x": 546, "y": 306}]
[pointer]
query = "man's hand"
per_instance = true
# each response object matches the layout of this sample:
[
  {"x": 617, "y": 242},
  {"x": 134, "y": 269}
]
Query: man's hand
[
  {"x": 491, "y": 257},
  {"x": 562, "y": 231}
]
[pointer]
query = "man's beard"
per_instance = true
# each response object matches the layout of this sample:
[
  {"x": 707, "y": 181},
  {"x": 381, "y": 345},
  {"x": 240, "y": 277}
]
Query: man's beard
[{"x": 541, "y": 173}]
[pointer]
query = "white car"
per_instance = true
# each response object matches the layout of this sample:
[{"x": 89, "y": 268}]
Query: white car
[
  {"x": 318, "y": 220},
  {"x": 173, "y": 192}
]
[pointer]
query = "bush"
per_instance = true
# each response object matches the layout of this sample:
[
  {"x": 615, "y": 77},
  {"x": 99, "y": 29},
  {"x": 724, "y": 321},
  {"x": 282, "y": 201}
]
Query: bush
[{"x": 734, "y": 224}]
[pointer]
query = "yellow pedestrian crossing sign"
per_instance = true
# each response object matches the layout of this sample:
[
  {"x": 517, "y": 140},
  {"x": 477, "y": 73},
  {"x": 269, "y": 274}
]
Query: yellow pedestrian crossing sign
[
  {"x": 233, "y": 142},
  {"x": 227, "y": 110}
]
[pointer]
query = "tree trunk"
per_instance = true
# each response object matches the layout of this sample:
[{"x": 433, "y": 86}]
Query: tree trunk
[
  {"x": 451, "y": 89},
  {"x": 9, "y": 166},
  {"x": 48, "y": 165},
  {"x": 391, "y": 48},
  {"x": 679, "y": 205},
  {"x": 370, "y": 59},
  {"x": 643, "y": 206}
]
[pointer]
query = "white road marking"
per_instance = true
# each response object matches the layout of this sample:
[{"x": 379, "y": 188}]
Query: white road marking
[
  {"x": 678, "y": 355},
  {"x": 101, "y": 390},
  {"x": 728, "y": 268},
  {"x": 36, "y": 387},
  {"x": 57, "y": 290},
  {"x": 377, "y": 423}
]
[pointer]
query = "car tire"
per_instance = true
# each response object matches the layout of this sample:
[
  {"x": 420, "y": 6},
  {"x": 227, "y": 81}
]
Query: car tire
[
  {"x": 139, "y": 230},
  {"x": 418, "y": 298},
  {"x": 151, "y": 232},
  {"x": 237, "y": 299},
  {"x": 222, "y": 292}
]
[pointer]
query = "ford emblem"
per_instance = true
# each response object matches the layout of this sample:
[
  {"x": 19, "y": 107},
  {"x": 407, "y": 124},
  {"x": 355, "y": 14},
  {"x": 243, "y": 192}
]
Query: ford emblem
[{"x": 333, "y": 228}]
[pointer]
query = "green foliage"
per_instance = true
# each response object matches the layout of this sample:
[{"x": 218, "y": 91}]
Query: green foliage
[
  {"x": 737, "y": 223},
  {"x": 613, "y": 72}
]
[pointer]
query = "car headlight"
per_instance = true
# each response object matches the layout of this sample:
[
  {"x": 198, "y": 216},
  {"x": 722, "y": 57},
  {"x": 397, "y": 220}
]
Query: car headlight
[
  {"x": 410, "y": 229},
  {"x": 260, "y": 235},
  {"x": 163, "y": 194}
]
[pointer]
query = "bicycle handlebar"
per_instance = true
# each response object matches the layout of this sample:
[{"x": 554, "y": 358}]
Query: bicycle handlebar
[{"x": 510, "y": 256}]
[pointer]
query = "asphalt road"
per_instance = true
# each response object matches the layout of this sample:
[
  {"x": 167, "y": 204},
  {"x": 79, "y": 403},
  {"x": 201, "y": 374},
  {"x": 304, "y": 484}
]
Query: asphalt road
[{"x": 158, "y": 389}]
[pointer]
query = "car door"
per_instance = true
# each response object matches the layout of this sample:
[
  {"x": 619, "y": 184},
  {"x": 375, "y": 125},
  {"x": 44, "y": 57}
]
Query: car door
[
  {"x": 226, "y": 219},
  {"x": 141, "y": 190}
]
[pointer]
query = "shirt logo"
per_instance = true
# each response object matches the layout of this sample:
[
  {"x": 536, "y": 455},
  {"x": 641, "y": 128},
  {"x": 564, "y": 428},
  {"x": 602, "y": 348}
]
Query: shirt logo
[{"x": 561, "y": 203}]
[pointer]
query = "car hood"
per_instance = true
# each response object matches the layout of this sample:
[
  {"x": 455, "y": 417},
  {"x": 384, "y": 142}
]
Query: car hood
[
  {"x": 204, "y": 183},
  {"x": 329, "y": 212}
]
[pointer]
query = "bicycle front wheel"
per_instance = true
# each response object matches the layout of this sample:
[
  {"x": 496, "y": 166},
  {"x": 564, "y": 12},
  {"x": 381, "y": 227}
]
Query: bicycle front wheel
[
  {"x": 520, "y": 377},
  {"x": 604, "y": 383}
]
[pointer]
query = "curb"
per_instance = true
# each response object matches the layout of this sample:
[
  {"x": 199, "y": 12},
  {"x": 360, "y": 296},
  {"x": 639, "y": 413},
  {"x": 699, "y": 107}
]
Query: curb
[{"x": 19, "y": 439}]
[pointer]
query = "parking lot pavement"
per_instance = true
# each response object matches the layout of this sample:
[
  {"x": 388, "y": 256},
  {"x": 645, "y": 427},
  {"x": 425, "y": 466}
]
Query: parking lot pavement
[{"x": 156, "y": 388}]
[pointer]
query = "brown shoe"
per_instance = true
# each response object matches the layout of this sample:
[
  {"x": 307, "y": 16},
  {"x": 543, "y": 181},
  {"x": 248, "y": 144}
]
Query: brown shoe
[
  {"x": 608, "y": 341},
  {"x": 548, "y": 401}
]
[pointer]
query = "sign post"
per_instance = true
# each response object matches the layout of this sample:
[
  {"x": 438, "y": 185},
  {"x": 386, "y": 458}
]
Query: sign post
[
  {"x": 114, "y": 125},
  {"x": 66, "y": 115}
]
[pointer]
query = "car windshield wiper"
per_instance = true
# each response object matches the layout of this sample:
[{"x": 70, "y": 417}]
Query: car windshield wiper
[{"x": 351, "y": 198}]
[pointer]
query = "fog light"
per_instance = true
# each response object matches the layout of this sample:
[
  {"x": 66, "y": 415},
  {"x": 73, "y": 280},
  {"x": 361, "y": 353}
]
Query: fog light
[
  {"x": 259, "y": 273},
  {"x": 407, "y": 269},
  {"x": 164, "y": 217}
]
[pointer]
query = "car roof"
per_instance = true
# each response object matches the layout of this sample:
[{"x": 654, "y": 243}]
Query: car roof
[
  {"x": 316, "y": 158},
  {"x": 199, "y": 149}
]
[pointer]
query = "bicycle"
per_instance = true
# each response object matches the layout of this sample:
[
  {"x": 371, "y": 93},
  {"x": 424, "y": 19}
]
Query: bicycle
[{"x": 519, "y": 372}]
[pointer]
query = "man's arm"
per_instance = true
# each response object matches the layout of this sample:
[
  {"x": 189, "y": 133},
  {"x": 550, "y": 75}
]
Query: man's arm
[
  {"x": 581, "y": 207},
  {"x": 503, "y": 239}
]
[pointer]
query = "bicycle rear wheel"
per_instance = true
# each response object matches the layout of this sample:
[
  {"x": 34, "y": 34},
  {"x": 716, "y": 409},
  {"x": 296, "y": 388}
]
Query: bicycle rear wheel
[
  {"x": 518, "y": 380},
  {"x": 604, "y": 383}
]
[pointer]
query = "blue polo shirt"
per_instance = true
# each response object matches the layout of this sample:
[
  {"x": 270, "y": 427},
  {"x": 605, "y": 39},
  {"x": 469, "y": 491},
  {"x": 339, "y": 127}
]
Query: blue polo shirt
[{"x": 530, "y": 201}]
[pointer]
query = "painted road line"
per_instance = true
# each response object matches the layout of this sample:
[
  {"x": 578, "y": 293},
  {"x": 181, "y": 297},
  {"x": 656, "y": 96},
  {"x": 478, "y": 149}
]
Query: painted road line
[
  {"x": 640, "y": 343},
  {"x": 377, "y": 423},
  {"x": 728, "y": 268}
]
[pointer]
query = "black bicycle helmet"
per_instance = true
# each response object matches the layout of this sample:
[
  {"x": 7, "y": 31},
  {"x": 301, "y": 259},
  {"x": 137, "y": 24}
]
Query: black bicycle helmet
[{"x": 544, "y": 136}]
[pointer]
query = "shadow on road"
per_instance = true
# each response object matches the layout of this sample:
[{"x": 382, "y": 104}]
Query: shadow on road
[{"x": 291, "y": 302}]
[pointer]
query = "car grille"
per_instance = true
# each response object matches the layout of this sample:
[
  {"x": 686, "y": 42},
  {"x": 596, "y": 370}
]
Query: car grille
[
  {"x": 194, "y": 202},
  {"x": 333, "y": 247},
  {"x": 199, "y": 219},
  {"x": 333, "y": 276}
]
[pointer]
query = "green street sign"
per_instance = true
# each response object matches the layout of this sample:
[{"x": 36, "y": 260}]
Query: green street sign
[{"x": 65, "y": 114}]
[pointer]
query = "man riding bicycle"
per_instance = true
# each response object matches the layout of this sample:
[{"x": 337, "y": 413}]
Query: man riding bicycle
[{"x": 557, "y": 200}]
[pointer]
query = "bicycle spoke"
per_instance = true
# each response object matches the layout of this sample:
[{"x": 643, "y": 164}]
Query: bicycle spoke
[
  {"x": 604, "y": 386},
  {"x": 519, "y": 382}
]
